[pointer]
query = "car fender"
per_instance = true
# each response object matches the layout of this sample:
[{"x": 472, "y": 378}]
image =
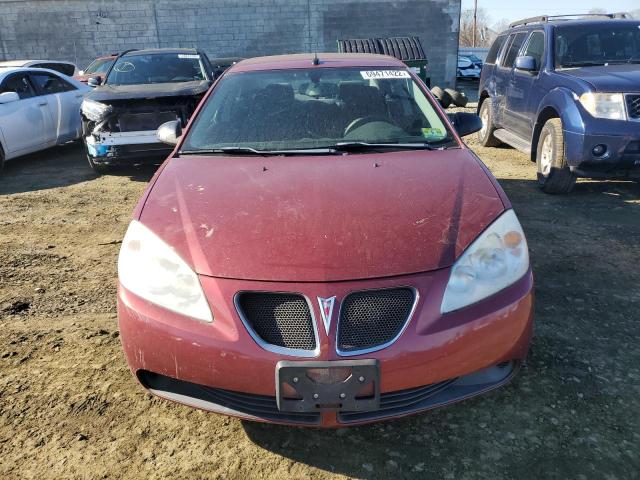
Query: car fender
[{"x": 563, "y": 101}]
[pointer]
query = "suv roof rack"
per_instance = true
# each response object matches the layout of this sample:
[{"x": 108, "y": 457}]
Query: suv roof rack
[{"x": 576, "y": 16}]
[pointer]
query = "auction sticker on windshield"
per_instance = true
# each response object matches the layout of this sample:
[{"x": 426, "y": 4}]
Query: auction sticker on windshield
[{"x": 384, "y": 74}]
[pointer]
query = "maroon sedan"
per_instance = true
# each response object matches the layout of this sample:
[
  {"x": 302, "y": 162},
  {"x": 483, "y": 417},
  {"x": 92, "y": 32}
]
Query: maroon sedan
[{"x": 322, "y": 249}]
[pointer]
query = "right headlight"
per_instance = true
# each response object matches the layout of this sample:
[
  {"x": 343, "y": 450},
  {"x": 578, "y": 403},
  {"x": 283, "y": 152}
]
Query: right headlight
[
  {"x": 153, "y": 270},
  {"x": 604, "y": 105},
  {"x": 496, "y": 259}
]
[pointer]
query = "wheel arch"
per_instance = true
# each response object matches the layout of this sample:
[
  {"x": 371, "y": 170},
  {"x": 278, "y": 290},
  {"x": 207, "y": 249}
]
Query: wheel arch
[{"x": 558, "y": 103}]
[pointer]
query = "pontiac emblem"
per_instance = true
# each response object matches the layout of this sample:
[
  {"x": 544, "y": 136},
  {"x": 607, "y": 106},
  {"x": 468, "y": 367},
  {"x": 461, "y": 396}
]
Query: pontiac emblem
[{"x": 326, "y": 310}]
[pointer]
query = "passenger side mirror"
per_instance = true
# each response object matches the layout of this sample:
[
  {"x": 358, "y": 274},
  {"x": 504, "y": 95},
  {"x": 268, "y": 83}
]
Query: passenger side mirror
[
  {"x": 465, "y": 123},
  {"x": 526, "y": 63},
  {"x": 94, "y": 81},
  {"x": 81, "y": 72},
  {"x": 9, "y": 97},
  {"x": 169, "y": 132}
]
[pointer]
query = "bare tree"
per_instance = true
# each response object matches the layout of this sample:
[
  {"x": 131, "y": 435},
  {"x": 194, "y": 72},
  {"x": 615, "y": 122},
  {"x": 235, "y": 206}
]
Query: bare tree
[{"x": 483, "y": 32}]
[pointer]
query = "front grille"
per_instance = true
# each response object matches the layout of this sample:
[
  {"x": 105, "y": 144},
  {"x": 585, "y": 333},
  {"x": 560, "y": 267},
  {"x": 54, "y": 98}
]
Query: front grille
[
  {"x": 373, "y": 318},
  {"x": 399, "y": 402},
  {"x": 134, "y": 122},
  {"x": 633, "y": 106},
  {"x": 278, "y": 319},
  {"x": 260, "y": 407}
]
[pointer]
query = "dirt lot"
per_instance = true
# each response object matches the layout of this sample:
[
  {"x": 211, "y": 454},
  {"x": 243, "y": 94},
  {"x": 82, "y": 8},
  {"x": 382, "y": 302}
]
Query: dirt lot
[{"x": 70, "y": 408}]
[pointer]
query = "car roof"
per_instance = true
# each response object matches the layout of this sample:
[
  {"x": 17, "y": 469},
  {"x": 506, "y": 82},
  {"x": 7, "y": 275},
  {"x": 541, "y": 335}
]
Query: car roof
[
  {"x": 158, "y": 51},
  {"x": 4, "y": 72},
  {"x": 326, "y": 60},
  {"x": 24, "y": 63}
]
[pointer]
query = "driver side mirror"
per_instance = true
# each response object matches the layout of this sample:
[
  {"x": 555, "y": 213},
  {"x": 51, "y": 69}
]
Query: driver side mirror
[
  {"x": 526, "y": 63},
  {"x": 465, "y": 123},
  {"x": 169, "y": 132},
  {"x": 9, "y": 97},
  {"x": 94, "y": 81}
]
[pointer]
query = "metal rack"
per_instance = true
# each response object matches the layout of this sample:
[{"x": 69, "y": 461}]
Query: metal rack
[{"x": 577, "y": 16}]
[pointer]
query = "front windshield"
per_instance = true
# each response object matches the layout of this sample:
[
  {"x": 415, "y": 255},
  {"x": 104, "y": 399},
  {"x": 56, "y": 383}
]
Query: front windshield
[
  {"x": 156, "y": 68},
  {"x": 100, "y": 65},
  {"x": 607, "y": 43},
  {"x": 316, "y": 108}
]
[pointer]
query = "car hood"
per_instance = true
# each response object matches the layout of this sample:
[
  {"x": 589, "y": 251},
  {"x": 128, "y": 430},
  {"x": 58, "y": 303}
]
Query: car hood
[
  {"x": 321, "y": 218},
  {"x": 154, "y": 90},
  {"x": 612, "y": 78}
]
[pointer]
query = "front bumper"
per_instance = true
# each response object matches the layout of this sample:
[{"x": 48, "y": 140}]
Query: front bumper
[
  {"x": 438, "y": 359},
  {"x": 126, "y": 148},
  {"x": 622, "y": 157}
]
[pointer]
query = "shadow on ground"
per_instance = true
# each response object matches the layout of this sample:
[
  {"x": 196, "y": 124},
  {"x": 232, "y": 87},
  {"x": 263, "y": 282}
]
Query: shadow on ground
[{"x": 58, "y": 167}]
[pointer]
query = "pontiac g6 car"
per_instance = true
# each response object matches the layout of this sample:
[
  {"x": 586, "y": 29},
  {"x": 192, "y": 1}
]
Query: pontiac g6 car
[{"x": 320, "y": 248}]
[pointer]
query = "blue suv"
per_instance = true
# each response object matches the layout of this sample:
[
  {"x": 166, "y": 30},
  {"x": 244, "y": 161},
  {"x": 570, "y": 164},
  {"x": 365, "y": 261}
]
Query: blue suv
[{"x": 567, "y": 92}]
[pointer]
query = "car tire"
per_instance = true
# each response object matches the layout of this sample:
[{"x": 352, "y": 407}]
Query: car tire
[
  {"x": 459, "y": 99},
  {"x": 554, "y": 175},
  {"x": 442, "y": 96},
  {"x": 485, "y": 134}
]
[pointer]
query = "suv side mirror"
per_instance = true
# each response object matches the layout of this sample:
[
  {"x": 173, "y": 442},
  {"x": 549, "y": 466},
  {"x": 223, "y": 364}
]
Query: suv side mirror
[
  {"x": 169, "y": 132},
  {"x": 526, "y": 63},
  {"x": 9, "y": 97},
  {"x": 465, "y": 123},
  {"x": 94, "y": 81}
]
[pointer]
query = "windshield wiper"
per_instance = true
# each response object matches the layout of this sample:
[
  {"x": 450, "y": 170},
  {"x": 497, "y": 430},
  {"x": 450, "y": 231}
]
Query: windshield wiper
[
  {"x": 255, "y": 151},
  {"x": 582, "y": 64},
  {"x": 354, "y": 146}
]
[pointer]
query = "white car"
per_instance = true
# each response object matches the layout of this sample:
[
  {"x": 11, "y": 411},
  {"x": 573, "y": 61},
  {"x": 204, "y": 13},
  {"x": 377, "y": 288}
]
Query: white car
[
  {"x": 39, "y": 108},
  {"x": 467, "y": 69}
]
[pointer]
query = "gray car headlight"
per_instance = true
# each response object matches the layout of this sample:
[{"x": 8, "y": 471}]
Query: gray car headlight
[
  {"x": 496, "y": 259},
  {"x": 152, "y": 270}
]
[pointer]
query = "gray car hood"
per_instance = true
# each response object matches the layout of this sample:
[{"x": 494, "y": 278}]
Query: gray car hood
[{"x": 153, "y": 90}]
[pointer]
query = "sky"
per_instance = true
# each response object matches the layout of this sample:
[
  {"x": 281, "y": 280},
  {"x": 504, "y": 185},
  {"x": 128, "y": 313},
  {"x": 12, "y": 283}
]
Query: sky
[{"x": 518, "y": 9}]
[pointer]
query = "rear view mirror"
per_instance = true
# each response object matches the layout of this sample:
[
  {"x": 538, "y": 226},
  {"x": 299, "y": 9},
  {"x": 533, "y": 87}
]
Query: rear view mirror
[
  {"x": 8, "y": 97},
  {"x": 466, "y": 123},
  {"x": 94, "y": 81},
  {"x": 169, "y": 132},
  {"x": 526, "y": 63}
]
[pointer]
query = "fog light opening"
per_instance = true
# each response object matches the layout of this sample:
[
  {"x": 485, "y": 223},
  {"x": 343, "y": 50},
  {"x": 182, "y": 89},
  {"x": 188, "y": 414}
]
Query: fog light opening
[{"x": 599, "y": 150}]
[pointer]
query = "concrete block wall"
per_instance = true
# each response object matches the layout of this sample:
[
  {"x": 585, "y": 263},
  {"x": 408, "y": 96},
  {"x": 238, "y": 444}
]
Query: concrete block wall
[{"x": 79, "y": 30}]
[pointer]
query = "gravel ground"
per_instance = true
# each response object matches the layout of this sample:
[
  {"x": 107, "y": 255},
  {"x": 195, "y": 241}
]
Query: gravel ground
[{"x": 69, "y": 407}]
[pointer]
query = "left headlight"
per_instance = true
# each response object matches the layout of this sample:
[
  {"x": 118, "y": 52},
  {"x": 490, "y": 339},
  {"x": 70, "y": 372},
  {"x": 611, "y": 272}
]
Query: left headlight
[
  {"x": 496, "y": 259},
  {"x": 152, "y": 270},
  {"x": 604, "y": 105}
]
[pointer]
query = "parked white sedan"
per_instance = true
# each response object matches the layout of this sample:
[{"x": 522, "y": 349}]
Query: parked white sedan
[{"x": 39, "y": 108}]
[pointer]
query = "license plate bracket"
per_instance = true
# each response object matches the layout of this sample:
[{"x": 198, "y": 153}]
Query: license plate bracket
[{"x": 343, "y": 395}]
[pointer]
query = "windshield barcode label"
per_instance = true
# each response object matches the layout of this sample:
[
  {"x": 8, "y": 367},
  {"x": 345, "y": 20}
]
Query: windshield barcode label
[{"x": 384, "y": 74}]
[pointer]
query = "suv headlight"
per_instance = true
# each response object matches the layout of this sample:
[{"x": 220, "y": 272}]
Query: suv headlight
[
  {"x": 496, "y": 259},
  {"x": 95, "y": 111},
  {"x": 604, "y": 105},
  {"x": 152, "y": 270}
]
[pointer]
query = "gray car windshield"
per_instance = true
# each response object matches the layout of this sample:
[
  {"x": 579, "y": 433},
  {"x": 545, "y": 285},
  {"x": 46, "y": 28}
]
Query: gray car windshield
[
  {"x": 156, "y": 68},
  {"x": 608, "y": 43},
  {"x": 316, "y": 108}
]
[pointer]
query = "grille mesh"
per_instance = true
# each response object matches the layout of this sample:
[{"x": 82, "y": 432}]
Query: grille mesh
[
  {"x": 372, "y": 318},
  {"x": 279, "y": 319},
  {"x": 633, "y": 106}
]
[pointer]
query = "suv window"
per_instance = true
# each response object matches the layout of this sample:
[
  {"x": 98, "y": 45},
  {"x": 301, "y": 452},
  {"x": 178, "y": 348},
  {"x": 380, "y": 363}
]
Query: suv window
[
  {"x": 49, "y": 83},
  {"x": 535, "y": 48},
  {"x": 495, "y": 49},
  {"x": 514, "y": 48},
  {"x": 19, "y": 84}
]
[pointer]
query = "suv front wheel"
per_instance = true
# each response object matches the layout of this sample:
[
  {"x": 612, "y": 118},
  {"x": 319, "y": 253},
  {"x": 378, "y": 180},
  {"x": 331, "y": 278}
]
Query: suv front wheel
[{"x": 554, "y": 175}]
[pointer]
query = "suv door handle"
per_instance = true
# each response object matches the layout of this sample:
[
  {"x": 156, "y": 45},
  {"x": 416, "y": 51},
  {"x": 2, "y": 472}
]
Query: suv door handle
[{"x": 43, "y": 104}]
